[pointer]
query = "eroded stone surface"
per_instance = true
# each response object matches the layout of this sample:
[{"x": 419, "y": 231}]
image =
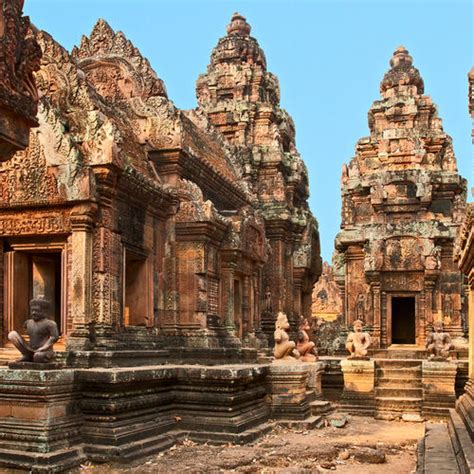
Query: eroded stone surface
[{"x": 18, "y": 95}]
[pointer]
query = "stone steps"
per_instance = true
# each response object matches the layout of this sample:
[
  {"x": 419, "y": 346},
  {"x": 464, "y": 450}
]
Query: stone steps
[
  {"x": 398, "y": 387},
  {"x": 308, "y": 424},
  {"x": 320, "y": 407},
  {"x": 461, "y": 441},
  {"x": 396, "y": 392},
  {"x": 400, "y": 403},
  {"x": 402, "y": 353},
  {"x": 402, "y": 373},
  {"x": 435, "y": 452},
  {"x": 399, "y": 382}
]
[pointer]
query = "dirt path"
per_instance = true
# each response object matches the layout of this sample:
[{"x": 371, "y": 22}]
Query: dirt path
[{"x": 356, "y": 448}]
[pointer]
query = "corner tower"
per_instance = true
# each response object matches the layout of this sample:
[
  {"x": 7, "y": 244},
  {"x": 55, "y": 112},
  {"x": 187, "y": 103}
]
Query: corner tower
[
  {"x": 242, "y": 100},
  {"x": 403, "y": 201}
]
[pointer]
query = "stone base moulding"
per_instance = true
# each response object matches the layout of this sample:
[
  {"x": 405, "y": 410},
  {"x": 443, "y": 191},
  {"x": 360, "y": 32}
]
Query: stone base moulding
[
  {"x": 438, "y": 382},
  {"x": 53, "y": 420},
  {"x": 40, "y": 421},
  {"x": 359, "y": 382}
]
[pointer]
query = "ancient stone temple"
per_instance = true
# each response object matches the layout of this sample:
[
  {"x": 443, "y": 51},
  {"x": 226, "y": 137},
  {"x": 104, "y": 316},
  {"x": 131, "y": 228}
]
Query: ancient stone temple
[
  {"x": 20, "y": 57},
  {"x": 146, "y": 226},
  {"x": 403, "y": 202},
  {"x": 158, "y": 237}
]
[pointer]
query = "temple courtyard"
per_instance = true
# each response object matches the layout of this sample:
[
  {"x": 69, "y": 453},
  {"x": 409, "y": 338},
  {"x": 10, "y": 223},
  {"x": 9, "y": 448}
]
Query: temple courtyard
[
  {"x": 164, "y": 304},
  {"x": 361, "y": 446}
]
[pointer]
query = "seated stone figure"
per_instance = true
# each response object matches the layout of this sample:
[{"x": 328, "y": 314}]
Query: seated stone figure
[
  {"x": 284, "y": 348},
  {"x": 43, "y": 333},
  {"x": 438, "y": 343},
  {"x": 358, "y": 342},
  {"x": 305, "y": 346}
]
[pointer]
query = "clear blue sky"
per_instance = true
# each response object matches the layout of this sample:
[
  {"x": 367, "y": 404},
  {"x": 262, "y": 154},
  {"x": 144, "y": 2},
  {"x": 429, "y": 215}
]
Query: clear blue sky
[{"x": 329, "y": 56}]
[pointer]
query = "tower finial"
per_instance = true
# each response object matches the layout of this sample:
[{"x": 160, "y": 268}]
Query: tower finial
[
  {"x": 402, "y": 77},
  {"x": 238, "y": 25},
  {"x": 400, "y": 55}
]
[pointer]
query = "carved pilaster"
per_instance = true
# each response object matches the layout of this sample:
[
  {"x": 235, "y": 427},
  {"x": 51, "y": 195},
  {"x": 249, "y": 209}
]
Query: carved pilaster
[
  {"x": 82, "y": 220},
  {"x": 228, "y": 272},
  {"x": 376, "y": 306},
  {"x": 383, "y": 319}
]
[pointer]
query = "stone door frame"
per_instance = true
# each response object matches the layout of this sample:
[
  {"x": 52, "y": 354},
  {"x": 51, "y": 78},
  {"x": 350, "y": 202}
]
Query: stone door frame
[
  {"x": 32, "y": 247},
  {"x": 388, "y": 315}
]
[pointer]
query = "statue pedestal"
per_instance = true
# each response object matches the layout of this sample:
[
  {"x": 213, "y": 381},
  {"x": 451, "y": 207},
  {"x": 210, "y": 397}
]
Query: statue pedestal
[
  {"x": 315, "y": 374},
  {"x": 287, "y": 390},
  {"x": 358, "y": 396},
  {"x": 438, "y": 379},
  {"x": 39, "y": 419}
]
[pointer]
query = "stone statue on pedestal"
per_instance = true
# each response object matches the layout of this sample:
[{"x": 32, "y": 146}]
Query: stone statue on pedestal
[
  {"x": 358, "y": 341},
  {"x": 42, "y": 332},
  {"x": 438, "y": 343},
  {"x": 284, "y": 348},
  {"x": 305, "y": 346}
]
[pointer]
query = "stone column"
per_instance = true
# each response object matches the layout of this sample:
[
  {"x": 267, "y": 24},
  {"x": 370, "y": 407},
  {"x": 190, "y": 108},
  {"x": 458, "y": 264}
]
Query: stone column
[
  {"x": 298, "y": 274},
  {"x": 228, "y": 295},
  {"x": 383, "y": 319},
  {"x": 425, "y": 309},
  {"x": 80, "y": 300},
  {"x": 247, "y": 321},
  {"x": 377, "y": 312}
]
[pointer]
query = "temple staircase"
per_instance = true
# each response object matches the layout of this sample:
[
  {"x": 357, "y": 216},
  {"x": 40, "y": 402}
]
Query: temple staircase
[{"x": 398, "y": 388}]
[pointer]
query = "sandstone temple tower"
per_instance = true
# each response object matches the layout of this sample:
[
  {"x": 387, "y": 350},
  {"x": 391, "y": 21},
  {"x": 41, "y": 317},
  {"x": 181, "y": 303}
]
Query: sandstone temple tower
[
  {"x": 242, "y": 100},
  {"x": 402, "y": 205},
  {"x": 148, "y": 226}
]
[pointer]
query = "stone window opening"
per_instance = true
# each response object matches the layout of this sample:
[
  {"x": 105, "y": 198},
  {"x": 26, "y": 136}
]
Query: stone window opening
[
  {"x": 137, "y": 292},
  {"x": 31, "y": 271}
]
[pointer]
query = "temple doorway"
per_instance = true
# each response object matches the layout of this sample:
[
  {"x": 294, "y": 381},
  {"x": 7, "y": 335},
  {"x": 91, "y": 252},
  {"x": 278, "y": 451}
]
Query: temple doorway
[
  {"x": 32, "y": 273},
  {"x": 403, "y": 320},
  {"x": 138, "y": 303}
]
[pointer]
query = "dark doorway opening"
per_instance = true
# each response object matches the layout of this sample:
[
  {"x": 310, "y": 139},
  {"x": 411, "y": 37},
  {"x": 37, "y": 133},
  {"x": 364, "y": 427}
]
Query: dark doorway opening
[{"x": 403, "y": 320}]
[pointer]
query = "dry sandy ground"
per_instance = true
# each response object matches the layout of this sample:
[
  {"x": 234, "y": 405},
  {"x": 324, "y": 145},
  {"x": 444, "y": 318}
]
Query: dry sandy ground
[{"x": 322, "y": 450}]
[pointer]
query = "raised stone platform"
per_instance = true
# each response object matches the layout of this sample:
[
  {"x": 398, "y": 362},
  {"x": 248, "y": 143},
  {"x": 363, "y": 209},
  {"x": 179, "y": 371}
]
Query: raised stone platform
[{"x": 56, "y": 419}]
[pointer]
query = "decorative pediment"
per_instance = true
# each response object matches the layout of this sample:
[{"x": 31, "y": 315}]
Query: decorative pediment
[
  {"x": 403, "y": 253},
  {"x": 115, "y": 67},
  {"x": 19, "y": 59}
]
